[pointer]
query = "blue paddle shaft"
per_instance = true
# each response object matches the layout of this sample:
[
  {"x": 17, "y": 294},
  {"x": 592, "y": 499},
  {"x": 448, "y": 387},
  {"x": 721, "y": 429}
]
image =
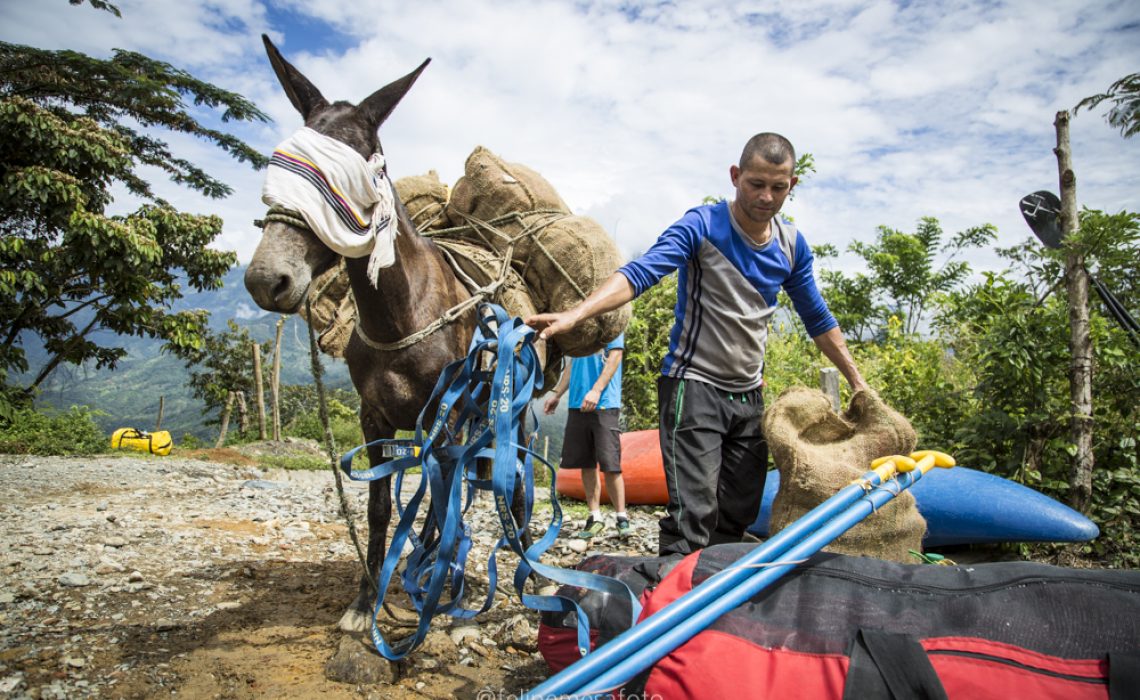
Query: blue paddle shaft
[{"x": 632, "y": 640}]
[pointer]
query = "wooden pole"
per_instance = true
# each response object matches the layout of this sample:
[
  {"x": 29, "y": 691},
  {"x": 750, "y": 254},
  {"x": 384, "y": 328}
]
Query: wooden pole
[
  {"x": 275, "y": 382},
  {"x": 1080, "y": 344},
  {"x": 259, "y": 387},
  {"x": 829, "y": 384},
  {"x": 161, "y": 406},
  {"x": 225, "y": 420},
  {"x": 243, "y": 413}
]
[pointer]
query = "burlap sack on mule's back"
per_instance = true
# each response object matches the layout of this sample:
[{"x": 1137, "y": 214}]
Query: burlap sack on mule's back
[
  {"x": 491, "y": 187},
  {"x": 818, "y": 452},
  {"x": 334, "y": 314},
  {"x": 425, "y": 198},
  {"x": 482, "y": 267},
  {"x": 584, "y": 249},
  {"x": 562, "y": 245}
]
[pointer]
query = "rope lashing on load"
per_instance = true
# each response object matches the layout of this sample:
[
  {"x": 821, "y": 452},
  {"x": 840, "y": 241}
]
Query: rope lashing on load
[
  {"x": 482, "y": 400},
  {"x": 532, "y": 229},
  {"x": 450, "y": 242}
]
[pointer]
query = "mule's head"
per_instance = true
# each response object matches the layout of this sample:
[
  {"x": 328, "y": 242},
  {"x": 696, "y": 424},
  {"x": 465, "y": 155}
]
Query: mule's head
[{"x": 289, "y": 257}]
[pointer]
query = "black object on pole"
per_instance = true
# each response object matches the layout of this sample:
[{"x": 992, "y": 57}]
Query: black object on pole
[{"x": 1041, "y": 210}]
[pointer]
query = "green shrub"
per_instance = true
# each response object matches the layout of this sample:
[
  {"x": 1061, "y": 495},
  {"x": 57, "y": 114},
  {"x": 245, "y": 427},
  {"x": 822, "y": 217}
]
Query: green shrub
[
  {"x": 189, "y": 441},
  {"x": 71, "y": 432},
  {"x": 343, "y": 422}
]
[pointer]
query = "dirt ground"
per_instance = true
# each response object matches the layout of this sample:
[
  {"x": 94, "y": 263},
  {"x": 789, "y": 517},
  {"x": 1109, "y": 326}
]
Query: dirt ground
[{"x": 143, "y": 578}]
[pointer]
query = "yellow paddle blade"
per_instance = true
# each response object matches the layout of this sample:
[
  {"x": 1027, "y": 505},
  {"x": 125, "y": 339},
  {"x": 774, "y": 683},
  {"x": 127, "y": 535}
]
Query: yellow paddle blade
[
  {"x": 941, "y": 459},
  {"x": 886, "y": 467}
]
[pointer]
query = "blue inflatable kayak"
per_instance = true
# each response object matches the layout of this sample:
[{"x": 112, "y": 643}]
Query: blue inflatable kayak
[{"x": 966, "y": 506}]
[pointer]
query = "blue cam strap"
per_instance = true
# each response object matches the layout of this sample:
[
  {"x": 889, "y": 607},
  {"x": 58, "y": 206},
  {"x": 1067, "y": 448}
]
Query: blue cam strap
[{"x": 479, "y": 416}]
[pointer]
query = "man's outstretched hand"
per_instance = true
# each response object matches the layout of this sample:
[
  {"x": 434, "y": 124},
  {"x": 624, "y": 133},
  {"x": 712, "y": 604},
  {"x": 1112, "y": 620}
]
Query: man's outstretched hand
[{"x": 549, "y": 325}]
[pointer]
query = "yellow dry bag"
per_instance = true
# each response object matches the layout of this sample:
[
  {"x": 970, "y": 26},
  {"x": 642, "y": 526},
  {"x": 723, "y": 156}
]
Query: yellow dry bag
[{"x": 157, "y": 443}]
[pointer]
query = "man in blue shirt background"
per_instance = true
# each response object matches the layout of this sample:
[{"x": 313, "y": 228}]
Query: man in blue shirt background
[
  {"x": 732, "y": 260},
  {"x": 592, "y": 440}
]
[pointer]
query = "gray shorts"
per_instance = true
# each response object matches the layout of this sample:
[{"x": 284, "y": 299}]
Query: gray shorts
[{"x": 592, "y": 439}]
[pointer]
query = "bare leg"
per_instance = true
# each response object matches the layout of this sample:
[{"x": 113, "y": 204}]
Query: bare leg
[
  {"x": 593, "y": 488},
  {"x": 615, "y": 487}
]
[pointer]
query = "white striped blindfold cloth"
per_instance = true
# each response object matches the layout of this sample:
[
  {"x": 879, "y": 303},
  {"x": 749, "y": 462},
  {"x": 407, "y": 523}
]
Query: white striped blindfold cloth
[{"x": 346, "y": 200}]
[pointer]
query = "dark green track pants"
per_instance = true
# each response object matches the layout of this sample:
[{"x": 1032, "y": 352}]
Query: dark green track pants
[{"x": 716, "y": 460}]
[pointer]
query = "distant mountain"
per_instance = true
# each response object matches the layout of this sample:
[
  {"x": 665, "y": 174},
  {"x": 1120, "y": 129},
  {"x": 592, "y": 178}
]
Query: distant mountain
[{"x": 128, "y": 396}]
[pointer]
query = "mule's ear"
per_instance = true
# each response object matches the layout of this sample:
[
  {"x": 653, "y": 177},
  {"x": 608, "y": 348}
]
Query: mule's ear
[
  {"x": 377, "y": 106},
  {"x": 304, "y": 95}
]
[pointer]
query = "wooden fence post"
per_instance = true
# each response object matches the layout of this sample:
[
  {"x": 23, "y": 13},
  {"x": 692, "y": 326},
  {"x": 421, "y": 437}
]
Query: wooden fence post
[
  {"x": 829, "y": 384},
  {"x": 1080, "y": 344},
  {"x": 161, "y": 406},
  {"x": 259, "y": 387},
  {"x": 225, "y": 420},
  {"x": 243, "y": 413}
]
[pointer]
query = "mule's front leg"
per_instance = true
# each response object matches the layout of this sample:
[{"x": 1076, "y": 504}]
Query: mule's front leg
[
  {"x": 518, "y": 509},
  {"x": 358, "y": 617}
]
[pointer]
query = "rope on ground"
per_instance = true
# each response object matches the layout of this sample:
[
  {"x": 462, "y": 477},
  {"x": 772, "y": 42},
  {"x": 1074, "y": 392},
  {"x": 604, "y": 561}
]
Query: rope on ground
[{"x": 330, "y": 449}]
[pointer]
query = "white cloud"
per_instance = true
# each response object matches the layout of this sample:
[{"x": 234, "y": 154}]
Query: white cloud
[{"x": 911, "y": 109}]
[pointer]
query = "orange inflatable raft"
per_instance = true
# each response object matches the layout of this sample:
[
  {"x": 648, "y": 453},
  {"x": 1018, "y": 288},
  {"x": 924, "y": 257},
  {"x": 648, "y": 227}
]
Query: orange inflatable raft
[{"x": 641, "y": 467}]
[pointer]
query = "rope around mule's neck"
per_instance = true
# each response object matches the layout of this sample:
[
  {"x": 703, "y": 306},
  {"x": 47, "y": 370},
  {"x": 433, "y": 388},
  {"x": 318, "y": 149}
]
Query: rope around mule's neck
[
  {"x": 478, "y": 295},
  {"x": 284, "y": 216}
]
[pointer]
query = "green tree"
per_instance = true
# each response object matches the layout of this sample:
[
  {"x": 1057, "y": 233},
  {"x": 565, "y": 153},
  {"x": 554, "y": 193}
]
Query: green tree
[
  {"x": 221, "y": 363},
  {"x": 1011, "y": 331},
  {"x": 1124, "y": 94},
  {"x": 646, "y": 342},
  {"x": 905, "y": 266},
  {"x": 71, "y": 127},
  {"x": 300, "y": 399},
  {"x": 850, "y": 299}
]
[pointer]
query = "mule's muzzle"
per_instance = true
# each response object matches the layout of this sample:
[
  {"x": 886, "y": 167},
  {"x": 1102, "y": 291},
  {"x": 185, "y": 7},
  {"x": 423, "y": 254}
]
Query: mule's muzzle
[{"x": 274, "y": 290}]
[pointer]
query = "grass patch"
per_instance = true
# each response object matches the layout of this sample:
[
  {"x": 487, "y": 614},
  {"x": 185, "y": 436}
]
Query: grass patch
[{"x": 294, "y": 462}]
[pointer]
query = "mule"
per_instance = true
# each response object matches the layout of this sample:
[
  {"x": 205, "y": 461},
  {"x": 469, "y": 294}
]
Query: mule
[{"x": 394, "y": 385}]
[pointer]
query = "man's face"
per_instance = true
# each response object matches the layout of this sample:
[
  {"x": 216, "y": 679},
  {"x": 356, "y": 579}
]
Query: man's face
[{"x": 761, "y": 188}]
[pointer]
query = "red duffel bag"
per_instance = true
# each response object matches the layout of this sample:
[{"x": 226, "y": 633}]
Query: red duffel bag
[
  {"x": 608, "y": 615},
  {"x": 854, "y": 627}
]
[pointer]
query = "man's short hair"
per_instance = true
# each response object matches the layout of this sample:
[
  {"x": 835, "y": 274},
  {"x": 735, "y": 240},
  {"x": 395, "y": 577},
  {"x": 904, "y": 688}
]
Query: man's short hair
[{"x": 771, "y": 147}]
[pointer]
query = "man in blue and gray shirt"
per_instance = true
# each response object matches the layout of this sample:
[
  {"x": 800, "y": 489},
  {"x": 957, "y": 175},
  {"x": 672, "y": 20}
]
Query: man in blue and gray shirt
[{"x": 733, "y": 258}]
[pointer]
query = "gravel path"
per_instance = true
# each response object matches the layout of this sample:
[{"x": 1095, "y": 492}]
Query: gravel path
[{"x": 142, "y": 576}]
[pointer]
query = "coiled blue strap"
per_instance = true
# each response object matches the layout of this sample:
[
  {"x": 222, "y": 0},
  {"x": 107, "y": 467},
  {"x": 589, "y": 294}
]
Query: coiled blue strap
[{"x": 479, "y": 416}]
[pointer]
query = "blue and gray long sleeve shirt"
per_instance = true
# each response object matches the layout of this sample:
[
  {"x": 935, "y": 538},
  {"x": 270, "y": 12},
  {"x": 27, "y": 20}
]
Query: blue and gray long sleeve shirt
[{"x": 726, "y": 294}]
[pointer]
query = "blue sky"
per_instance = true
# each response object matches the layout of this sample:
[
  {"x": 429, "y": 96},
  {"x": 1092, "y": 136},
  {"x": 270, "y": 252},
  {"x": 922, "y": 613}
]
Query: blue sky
[{"x": 635, "y": 111}]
